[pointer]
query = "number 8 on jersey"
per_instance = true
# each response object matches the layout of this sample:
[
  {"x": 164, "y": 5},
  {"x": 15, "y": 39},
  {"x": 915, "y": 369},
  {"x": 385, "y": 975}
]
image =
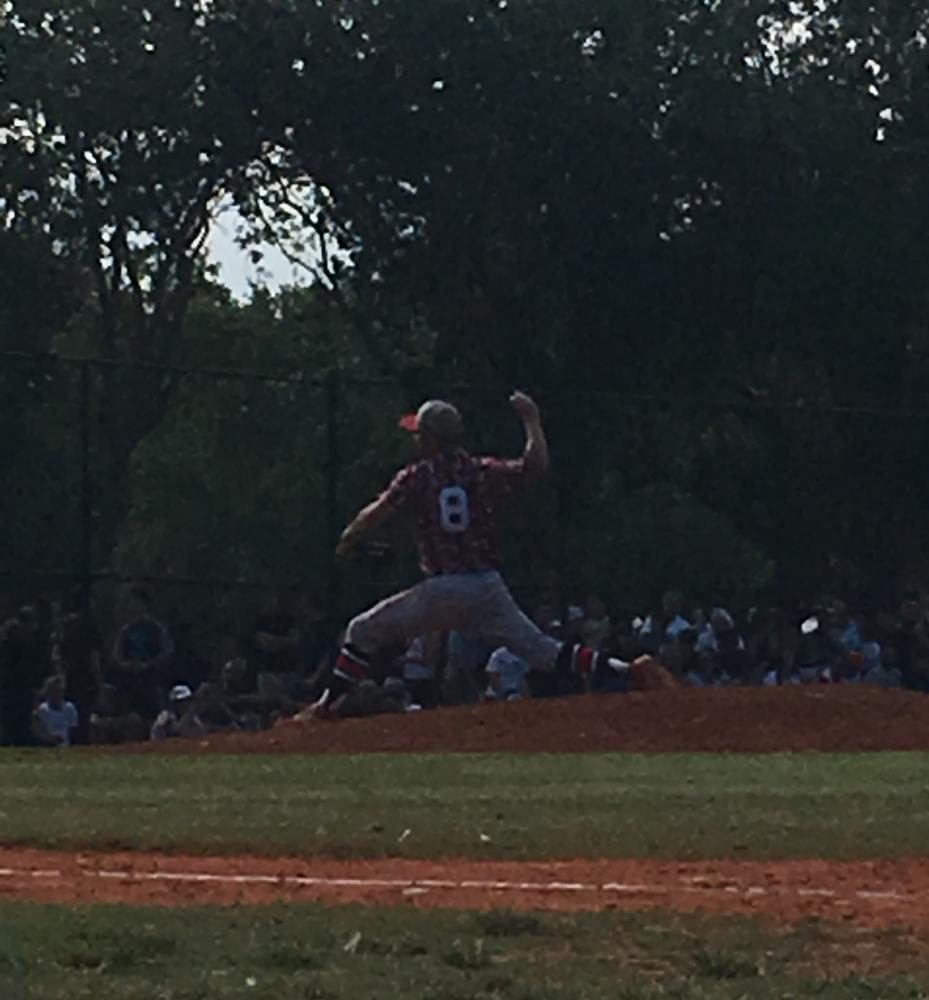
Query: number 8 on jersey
[{"x": 454, "y": 513}]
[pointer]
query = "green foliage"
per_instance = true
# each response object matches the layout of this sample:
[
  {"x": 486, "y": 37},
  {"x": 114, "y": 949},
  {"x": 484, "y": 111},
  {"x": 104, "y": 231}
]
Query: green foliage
[
  {"x": 655, "y": 198},
  {"x": 696, "y": 231}
]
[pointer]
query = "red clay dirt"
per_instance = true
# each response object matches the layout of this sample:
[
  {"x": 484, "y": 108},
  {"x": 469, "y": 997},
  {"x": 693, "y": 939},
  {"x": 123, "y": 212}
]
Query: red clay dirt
[
  {"x": 874, "y": 894},
  {"x": 749, "y": 720},
  {"x": 844, "y": 718}
]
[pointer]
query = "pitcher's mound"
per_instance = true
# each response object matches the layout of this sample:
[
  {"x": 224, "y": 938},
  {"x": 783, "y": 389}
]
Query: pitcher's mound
[{"x": 750, "y": 720}]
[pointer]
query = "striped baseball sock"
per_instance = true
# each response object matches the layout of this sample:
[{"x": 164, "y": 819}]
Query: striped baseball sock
[
  {"x": 583, "y": 661},
  {"x": 350, "y": 668}
]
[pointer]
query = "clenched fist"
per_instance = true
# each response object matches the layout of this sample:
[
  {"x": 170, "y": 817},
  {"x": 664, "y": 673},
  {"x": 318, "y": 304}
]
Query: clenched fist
[{"x": 525, "y": 406}]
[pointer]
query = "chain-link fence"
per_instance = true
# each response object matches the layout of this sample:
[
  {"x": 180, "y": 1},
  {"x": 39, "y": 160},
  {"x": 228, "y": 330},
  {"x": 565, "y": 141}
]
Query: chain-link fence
[{"x": 215, "y": 488}]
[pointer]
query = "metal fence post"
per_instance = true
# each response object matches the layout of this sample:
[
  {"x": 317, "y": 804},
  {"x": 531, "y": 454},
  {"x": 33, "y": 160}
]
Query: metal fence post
[
  {"x": 87, "y": 527},
  {"x": 333, "y": 464},
  {"x": 782, "y": 572}
]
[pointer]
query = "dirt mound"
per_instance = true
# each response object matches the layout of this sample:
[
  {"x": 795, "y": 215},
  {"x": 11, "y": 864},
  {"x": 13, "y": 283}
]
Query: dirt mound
[{"x": 751, "y": 720}]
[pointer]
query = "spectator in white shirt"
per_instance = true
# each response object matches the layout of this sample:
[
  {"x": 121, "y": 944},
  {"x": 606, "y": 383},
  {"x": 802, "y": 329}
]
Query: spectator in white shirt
[
  {"x": 180, "y": 718},
  {"x": 55, "y": 719},
  {"x": 506, "y": 676}
]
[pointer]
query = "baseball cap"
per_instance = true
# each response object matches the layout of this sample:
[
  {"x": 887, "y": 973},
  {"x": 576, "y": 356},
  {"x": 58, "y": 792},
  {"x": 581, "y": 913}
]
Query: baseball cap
[
  {"x": 180, "y": 692},
  {"x": 436, "y": 417}
]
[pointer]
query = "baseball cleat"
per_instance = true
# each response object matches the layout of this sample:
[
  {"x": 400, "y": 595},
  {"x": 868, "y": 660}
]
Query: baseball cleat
[{"x": 647, "y": 674}]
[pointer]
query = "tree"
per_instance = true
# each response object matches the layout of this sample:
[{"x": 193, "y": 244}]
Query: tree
[
  {"x": 694, "y": 229},
  {"x": 116, "y": 143},
  {"x": 671, "y": 199}
]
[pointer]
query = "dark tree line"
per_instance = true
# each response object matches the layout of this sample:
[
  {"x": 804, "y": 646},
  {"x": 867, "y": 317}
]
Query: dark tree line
[{"x": 696, "y": 229}]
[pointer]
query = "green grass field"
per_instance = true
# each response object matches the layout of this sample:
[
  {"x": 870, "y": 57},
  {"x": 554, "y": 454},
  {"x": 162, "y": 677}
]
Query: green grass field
[
  {"x": 312, "y": 952},
  {"x": 531, "y": 806},
  {"x": 540, "y": 806}
]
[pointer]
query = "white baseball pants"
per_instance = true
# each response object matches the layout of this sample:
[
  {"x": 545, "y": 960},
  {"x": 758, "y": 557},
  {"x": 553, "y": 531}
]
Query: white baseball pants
[{"x": 476, "y": 604}]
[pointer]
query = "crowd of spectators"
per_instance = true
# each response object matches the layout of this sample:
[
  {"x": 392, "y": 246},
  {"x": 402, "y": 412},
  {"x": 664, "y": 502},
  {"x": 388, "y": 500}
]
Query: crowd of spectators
[
  {"x": 61, "y": 684},
  {"x": 716, "y": 647}
]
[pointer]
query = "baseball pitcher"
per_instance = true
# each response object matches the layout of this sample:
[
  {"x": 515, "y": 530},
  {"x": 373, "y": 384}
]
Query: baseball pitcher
[{"x": 455, "y": 498}]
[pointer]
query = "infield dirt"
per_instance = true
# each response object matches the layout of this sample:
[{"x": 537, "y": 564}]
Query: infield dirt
[{"x": 872, "y": 894}]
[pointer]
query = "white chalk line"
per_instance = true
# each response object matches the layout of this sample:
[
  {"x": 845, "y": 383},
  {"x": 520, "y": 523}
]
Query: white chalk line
[{"x": 424, "y": 885}]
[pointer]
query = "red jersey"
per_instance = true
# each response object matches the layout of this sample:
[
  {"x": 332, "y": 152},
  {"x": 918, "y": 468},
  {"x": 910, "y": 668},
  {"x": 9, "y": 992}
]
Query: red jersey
[{"x": 455, "y": 499}]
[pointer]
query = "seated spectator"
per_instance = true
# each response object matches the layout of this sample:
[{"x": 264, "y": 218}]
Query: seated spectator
[
  {"x": 702, "y": 673},
  {"x": 764, "y": 642},
  {"x": 910, "y": 640},
  {"x": 660, "y": 628},
  {"x": 77, "y": 655},
  {"x": 506, "y": 676},
  {"x": 815, "y": 653},
  {"x": 216, "y": 713},
  {"x": 721, "y": 626},
  {"x": 239, "y": 671},
  {"x": 670, "y": 622},
  {"x": 233, "y": 703},
  {"x": 870, "y": 651},
  {"x": 237, "y": 678},
  {"x": 778, "y": 664},
  {"x": 23, "y": 667},
  {"x": 112, "y": 723},
  {"x": 842, "y": 628},
  {"x": 55, "y": 719},
  {"x": 873, "y": 670},
  {"x": 597, "y": 629},
  {"x": 714, "y": 657},
  {"x": 288, "y": 690},
  {"x": 672, "y": 606},
  {"x": 419, "y": 668},
  {"x": 141, "y": 657},
  {"x": 721, "y": 644},
  {"x": 778, "y": 676},
  {"x": 180, "y": 718},
  {"x": 732, "y": 659}
]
